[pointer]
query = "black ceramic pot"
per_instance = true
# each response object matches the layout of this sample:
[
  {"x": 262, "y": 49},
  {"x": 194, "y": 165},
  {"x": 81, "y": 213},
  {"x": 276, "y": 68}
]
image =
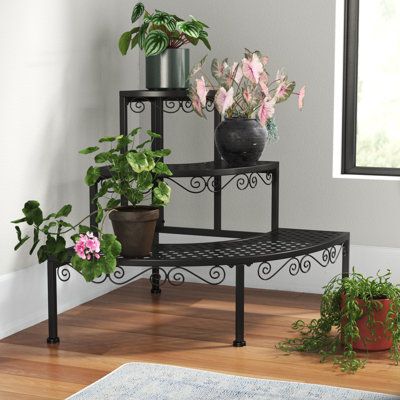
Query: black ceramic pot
[
  {"x": 134, "y": 227},
  {"x": 240, "y": 141}
]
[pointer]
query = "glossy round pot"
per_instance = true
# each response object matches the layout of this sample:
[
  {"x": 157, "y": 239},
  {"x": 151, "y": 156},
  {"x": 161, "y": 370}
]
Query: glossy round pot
[
  {"x": 380, "y": 339},
  {"x": 134, "y": 227},
  {"x": 240, "y": 141},
  {"x": 168, "y": 70}
]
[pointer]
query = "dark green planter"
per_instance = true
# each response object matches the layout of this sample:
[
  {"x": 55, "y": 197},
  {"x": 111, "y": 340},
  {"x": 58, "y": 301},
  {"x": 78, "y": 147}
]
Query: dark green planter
[{"x": 169, "y": 70}]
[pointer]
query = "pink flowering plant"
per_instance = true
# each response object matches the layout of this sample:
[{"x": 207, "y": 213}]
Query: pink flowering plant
[
  {"x": 136, "y": 173},
  {"x": 243, "y": 89},
  {"x": 91, "y": 255}
]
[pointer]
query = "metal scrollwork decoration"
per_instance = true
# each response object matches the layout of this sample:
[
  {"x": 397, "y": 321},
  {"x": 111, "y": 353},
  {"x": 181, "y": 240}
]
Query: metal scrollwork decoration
[
  {"x": 171, "y": 106},
  {"x": 137, "y": 106},
  {"x": 199, "y": 184},
  {"x": 301, "y": 264},
  {"x": 64, "y": 273},
  {"x": 176, "y": 275}
]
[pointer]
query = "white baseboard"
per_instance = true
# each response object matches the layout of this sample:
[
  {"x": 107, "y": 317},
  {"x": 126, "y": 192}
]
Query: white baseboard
[{"x": 23, "y": 294}]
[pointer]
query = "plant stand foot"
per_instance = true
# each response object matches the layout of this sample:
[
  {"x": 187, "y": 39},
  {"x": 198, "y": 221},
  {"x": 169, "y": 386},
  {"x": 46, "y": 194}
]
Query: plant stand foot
[
  {"x": 53, "y": 340},
  {"x": 239, "y": 343},
  {"x": 155, "y": 281}
]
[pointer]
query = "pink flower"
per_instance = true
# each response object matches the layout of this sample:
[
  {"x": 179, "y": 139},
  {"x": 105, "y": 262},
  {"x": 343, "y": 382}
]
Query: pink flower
[
  {"x": 80, "y": 249},
  {"x": 223, "y": 99},
  {"x": 201, "y": 90},
  {"x": 300, "y": 101},
  {"x": 93, "y": 245},
  {"x": 253, "y": 68},
  {"x": 266, "y": 111},
  {"x": 87, "y": 246}
]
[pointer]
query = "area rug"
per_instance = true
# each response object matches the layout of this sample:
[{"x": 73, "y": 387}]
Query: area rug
[{"x": 142, "y": 381}]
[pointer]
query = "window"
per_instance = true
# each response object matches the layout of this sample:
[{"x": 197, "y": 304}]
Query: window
[{"x": 371, "y": 91}]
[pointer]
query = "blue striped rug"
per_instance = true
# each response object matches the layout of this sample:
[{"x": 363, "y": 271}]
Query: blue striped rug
[{"x": 142, "y": 381}]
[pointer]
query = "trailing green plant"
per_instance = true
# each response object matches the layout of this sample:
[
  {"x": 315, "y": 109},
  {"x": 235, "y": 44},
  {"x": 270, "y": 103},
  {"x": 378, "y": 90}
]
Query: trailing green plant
[
  {"x": 332, "y": 335},
  {"x": 160, "y": 31},
  {"x": 136, "y": 173}
]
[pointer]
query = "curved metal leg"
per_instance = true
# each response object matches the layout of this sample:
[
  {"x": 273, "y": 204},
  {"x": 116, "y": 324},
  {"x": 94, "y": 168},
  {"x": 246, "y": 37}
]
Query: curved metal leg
[{"x": 239, "y": 318}]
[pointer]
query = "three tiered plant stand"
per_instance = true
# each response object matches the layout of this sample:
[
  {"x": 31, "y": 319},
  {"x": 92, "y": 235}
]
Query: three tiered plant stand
[{"x": 297, "y": 249}]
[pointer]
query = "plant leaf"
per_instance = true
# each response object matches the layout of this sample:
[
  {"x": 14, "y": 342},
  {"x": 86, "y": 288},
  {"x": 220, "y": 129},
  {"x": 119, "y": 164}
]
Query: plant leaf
[
  {"x": 64, "y": 211},
  {"x": 107, "y": 139},
  {"x": 18, "y": 221},
  {"x": 112, "y": 203},
  {"x": 189, "y": 28},
  {"x": 102, "y": 157},
  {"x": 21, "y": 240},
  {"x": 33, "y": 213},
  {"x": 42, "y": 254},
  {"x": 142, "y": 34},
  {"x": 155, "y": 43},
  {"x": 92, "y": 175},
  {"x": 137, "y": 161},
  {"x": 124, "y": 42},
  {"x": 137, "y": 12},
  {"x": 88, "y": 150},
  {"x": 161, "y": 194},
  {"x": 162, "y": 169},
  {"x": 153, "y": 134}
]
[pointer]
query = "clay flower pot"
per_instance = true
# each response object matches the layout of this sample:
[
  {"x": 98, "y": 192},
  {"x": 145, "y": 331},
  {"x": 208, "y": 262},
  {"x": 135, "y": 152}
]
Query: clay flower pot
[
  {"x": 134, "y": 227},
  {"x": 380, "y": 339}
]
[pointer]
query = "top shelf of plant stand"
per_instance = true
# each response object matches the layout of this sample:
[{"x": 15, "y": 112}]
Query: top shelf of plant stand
[{"x": 147, "y": 95}]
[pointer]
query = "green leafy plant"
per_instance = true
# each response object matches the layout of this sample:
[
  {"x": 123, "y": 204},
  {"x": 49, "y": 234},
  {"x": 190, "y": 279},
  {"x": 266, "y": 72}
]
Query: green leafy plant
[
  {"x": 333, "y": 334},
  {"x": 136, "y": 174},
  {"x": 160, "y": 31}
]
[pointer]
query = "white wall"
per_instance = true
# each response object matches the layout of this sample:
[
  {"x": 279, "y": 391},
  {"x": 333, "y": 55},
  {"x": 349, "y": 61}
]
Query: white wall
[
  {"x": 299, "y": 35},
  {"x": 60, "y": 74}
]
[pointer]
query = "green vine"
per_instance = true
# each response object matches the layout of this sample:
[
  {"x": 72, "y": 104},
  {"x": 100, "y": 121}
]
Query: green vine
[{"x": 333, "y": 334}]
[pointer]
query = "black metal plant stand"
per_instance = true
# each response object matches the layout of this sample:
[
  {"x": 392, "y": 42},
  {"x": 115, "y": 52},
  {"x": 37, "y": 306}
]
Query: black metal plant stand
[{"x": 297, "y": 248}]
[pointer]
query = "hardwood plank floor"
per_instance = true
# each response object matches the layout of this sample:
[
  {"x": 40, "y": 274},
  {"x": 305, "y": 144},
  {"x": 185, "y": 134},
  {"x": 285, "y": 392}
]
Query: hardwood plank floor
[{"x": 190, "y": 326}]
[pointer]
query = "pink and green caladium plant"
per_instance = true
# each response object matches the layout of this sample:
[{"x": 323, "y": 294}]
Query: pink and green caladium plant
[{"x": 242, "y": 89}]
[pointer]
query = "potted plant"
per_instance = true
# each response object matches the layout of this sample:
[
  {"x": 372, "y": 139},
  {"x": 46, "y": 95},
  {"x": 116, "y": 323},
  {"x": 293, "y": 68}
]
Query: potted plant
[
  {"x": 246, "y": 97},
  {"x": 136, "y": 174},
  {"x": 357, "y": 313},
  {"x": 161, "y": 35}
]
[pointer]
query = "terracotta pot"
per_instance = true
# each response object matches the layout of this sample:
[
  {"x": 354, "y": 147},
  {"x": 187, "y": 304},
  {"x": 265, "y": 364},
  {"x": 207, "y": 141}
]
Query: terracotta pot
[
  {"x": 379, "y": 340},
  {"x": 134, "y": 227}
]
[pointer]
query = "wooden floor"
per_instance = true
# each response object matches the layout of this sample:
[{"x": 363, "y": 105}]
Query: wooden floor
[{"x": 191, "y": 326}]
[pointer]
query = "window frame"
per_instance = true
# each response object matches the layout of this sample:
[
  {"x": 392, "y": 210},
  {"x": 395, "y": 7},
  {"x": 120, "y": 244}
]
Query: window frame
[{"x": 350, "y": 86}]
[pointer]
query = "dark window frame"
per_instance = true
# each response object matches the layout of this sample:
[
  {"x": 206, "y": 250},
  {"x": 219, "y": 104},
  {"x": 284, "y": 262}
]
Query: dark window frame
[{"x": 350, "y": 83}]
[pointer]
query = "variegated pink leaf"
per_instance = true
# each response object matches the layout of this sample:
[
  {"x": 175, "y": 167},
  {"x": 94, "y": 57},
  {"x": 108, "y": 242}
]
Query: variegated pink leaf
[
  {"x": 252, "y": 69},
  {"x": 266, "y": 111},
  {"x": 223, "y": 99},
  {"x": 201, "y": 90},
  {"x": 247, "y": 95},
  {"x": 300, "y": 101}
]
